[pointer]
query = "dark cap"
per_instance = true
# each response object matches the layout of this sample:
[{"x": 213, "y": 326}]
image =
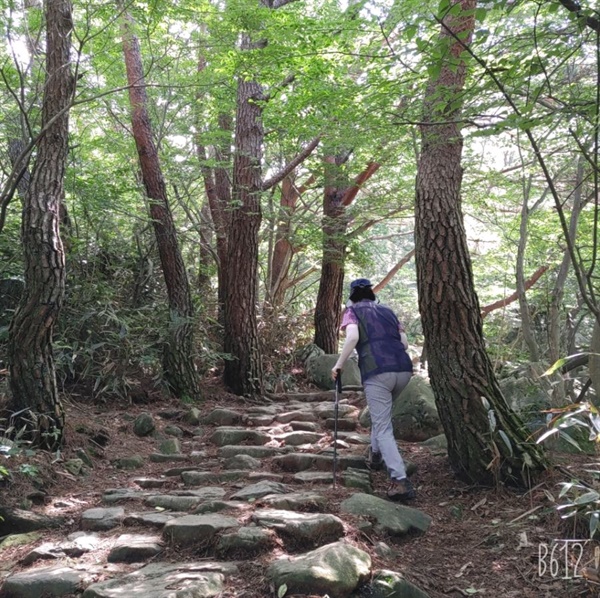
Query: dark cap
[{"x": 360, "y": 283}]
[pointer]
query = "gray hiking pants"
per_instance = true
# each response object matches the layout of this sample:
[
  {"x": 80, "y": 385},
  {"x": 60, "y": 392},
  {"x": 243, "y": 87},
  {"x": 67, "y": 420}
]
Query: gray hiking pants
[{"x": 381, "y": 391}]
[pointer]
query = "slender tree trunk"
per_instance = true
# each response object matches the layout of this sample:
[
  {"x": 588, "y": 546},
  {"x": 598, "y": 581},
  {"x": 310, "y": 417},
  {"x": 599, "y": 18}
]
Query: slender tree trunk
[
  {"x": 556, "y": 348},
  {"x": 486, "y": 441},
  {"x": 243, "y": 374},
  {"x": 526, "y": 327},
  {"x": 35, "y": 401},
  {"x": 178, "y": 363},
  {"x": 217, "y": 186},
  {"x": 331, "y": 287},
  {"x": 283, "y": 250}
]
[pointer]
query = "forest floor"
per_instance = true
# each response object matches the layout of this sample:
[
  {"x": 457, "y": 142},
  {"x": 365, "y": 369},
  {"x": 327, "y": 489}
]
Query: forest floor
[{"x": 491, "y": 542}]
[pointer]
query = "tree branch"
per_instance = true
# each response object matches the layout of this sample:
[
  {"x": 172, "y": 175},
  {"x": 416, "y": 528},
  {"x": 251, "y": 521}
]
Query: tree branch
[
  {"x": 361, "y": 179},
  {"x": 572, "y": 6},
  {"x": 291, "y": 165},
  {"x": 386, "y": 279},
  {"x": 512, "y": 298}
]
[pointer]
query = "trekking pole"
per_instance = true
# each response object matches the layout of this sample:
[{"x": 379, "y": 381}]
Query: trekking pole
[{"x": 338, "y": 392}]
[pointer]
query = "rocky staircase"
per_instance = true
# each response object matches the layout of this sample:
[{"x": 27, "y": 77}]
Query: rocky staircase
[{"x": 250, "y": 510}]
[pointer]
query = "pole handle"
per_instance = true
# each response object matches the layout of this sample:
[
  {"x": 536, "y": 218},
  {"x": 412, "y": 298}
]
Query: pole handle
[{"x": 338, "y": 380}]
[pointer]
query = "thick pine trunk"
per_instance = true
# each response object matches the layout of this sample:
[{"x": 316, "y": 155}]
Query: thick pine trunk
[
  {"x": 486, "y": 441},
  {"x": 243, "y": 373},
  {"x": 178, "y": 364},
  {"x": 35, "y": 402}
]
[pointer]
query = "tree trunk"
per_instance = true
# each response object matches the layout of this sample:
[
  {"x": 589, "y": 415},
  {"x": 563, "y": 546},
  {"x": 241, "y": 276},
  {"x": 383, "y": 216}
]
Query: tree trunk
[
  {"x": 556, "y": 348},
  {"x": 331, "y": 287},
  {"x": 218, "y": 192},
  {"x": 526, "y": 327},
  {"x": 283, "y": 250},
  {"x": 35, "y": 402},
  {"x": 486, "y": 441},
  {"x": 178, "y": 364},
  {"x": 243, "y": 373},
  {"x": 338, "y": 195}
]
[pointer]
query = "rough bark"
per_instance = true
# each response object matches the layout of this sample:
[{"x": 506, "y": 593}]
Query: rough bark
[
  {"x": 243, "y": 374},
  {"x": 335, "y": 223},
  {"x": 337, "y": 196},
  {"x": 179, "y": 371},
  {"x": 486, "y": 441},
  {"x": 35, "y": 403}
]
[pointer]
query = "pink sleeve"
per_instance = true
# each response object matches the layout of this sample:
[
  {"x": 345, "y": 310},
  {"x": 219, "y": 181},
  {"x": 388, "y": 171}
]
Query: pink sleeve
[{"x": 349, "y": 317}]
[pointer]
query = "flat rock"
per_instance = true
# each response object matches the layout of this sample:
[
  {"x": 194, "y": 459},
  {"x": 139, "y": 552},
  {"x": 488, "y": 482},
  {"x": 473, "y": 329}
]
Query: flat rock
[
  {"x": 242, "y": 462},
  {"x": 158, "y": 580},
  {"x": 44, "y": 581},
  {"x": 304, "y": 426},
  {"x": 299, "y": 415},
  {"x": 177, "y": 471},
  {"x": 346, "y": 424},
  {"x": 258, "y": 420},
  {"x": 295, "y": 501},
  {"x": 164, "y": 458},
  {"x": 197, "y": 529},
  {"x": 197, "y": 478},
  {"x": 298, "y": 438},
  {"x": 301, "y": 528},
  {"x": 226, "y": 435},
  {"x": 260, "y": 452},
  {"x": 259, "y": 490},
  {"x": 265, "y": 475},
  {"x": 151, "y": 518},
  {"x": 115, "y": 495},
  {"x": 388, "y": 584},
  {"x": 19, "y": 521},
  {"x": 102, "y": 519},
  {"x": 245, "y": 541},
  {"x": 354, "y": 438},
  {"x": 215, "y": 506},
  {"x": 393, "y": 519},
  {"x": 335, "y": 570},
  {"x": 223, "y": 417},
  {"x": 314, "y": 477},
  {"x": 357, "y": 478},
  {"x": 74, "y": 547},
  {"x": 133, "y": 548},
  {"x": 150, "y": 482},
  {"x": 173, "y": 503},
  {"x": 327, "y": 411},
  {"x": 304, "y": 461}
]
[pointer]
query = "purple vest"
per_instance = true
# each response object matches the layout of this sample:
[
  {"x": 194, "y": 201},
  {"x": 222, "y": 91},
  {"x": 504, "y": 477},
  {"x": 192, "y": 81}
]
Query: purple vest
[{"x": 379, "y": 346}]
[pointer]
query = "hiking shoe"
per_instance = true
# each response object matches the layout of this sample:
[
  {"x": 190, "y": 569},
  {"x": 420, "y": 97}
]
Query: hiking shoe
[
  {"x": 374, "y": 461},
  {"x": 401, "y": 490}
]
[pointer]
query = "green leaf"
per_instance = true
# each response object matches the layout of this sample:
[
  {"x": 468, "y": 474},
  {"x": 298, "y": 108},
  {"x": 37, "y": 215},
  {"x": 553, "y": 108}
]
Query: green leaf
[
  {"x": 480, "y": 14},
  {"x": 569, "y": 440},
  {"x": 281, "y": 591},
  {"x": 587, "y": 498}
]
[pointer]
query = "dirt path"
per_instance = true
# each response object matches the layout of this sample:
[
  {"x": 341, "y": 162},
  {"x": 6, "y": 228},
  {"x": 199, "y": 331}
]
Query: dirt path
[{"x": 250, "y": 487}]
